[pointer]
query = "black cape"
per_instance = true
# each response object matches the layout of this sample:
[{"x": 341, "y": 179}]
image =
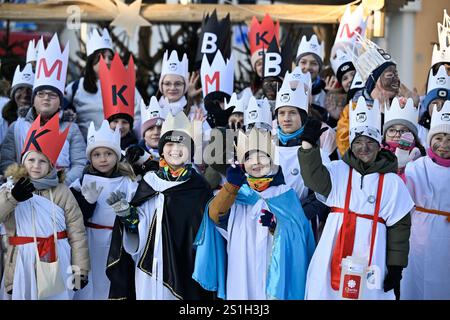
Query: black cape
[{"x": 184, "y": 206}]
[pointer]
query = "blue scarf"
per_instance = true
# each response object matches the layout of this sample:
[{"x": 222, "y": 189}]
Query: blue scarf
[{"x": 285, "y": 137}]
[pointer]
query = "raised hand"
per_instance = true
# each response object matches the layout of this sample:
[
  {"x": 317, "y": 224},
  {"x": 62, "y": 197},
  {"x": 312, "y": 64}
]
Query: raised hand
[
  {"x": 22, "y": 190},
  {"x": 90, "y": 192}
]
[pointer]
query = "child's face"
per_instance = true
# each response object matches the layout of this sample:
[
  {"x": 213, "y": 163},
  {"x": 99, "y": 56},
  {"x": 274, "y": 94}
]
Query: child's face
[
  {"x": 176, "y": 154},
  {"x": 308, "y": 63},
  {"x": 37, "y": 165},
  {"x": 289, "y": 119},
  {"x": 365, "y": 149},
  {"x": 173, "y": 87},
  {"x": 152, "y": 135},
  {"x": 123, "y": 124},
  {"x": 104, "y": 160},
  {"x": 257, "y": 164},
  {"x": 440, "y": 144},
  {"x": 347, "y": 79},
  {"x": 394, "y": 132}
]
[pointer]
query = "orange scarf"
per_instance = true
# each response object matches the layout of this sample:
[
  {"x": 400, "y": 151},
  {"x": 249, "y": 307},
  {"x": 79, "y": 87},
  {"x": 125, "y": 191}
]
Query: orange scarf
[
  {"x": 168, "y": 169},
  {"x": 259, "y": 184}
]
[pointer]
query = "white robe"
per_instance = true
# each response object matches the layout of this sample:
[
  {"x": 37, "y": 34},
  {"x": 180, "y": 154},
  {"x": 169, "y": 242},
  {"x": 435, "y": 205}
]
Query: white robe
[
  {"x": 99, "y": 240},
  {"x": 24, "y": 284},
  {"x": 249, "y": 248},
  {"x": 395, "y": 204},
  {"x": 426, "y": 276},
  {"x": 287, "y": 158},
  {"x": 149, "y": 287}
]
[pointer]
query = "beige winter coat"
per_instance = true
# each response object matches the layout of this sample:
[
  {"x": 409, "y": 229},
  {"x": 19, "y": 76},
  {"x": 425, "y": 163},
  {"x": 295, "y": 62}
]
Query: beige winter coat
[{"x": 76, "y": 232}]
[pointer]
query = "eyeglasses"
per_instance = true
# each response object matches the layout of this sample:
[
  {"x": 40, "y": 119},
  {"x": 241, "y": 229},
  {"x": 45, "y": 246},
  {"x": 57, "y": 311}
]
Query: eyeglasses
[
  {"x": 391, "y": 132},
  {"x": 175, "y": 84},
  {"x": 51, "y": 95}
]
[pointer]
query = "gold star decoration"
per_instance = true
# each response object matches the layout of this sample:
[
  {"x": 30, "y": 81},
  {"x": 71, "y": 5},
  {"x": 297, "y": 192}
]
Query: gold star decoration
[{"x": 128, "y": 17}]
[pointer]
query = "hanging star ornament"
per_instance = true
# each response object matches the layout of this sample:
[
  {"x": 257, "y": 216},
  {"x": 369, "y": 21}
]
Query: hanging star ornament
[{"x": 128, "y": 17}]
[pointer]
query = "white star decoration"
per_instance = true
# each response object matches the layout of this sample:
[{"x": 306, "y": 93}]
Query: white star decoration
[{"x": 128, "y": 17}]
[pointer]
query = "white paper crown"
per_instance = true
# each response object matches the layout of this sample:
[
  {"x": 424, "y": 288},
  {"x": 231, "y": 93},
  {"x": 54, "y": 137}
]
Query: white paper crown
[
  {"x": 32, "y": 50},
  {"x": 178, "y": 123},
  {"x": 369, "y": 57},
  {"x": 365, "y": 121},
  {"x": 297, "y": 75},
  {"x": 103, "y": 137},
  {"x": 219, "y": 76},
  {"x": 24, "y": 77},
  {"x": 395, "y": 112},
  {"x": 256, "y": 140},
  {"x": 258, "y": 111},
  {"x": 352, "y": 24},
  {"x": 51, "y": 65},
  {"x": 172, "y": 65},
  {"x": 446, "y": 19},
  {"x": 98, "y": 41},
  {"x": 439, "y": 81},
  {"x": 293, "y": 97},
  {"x": 357, "y": 82},
  {"x": 338, "y": 59},
  {"x": 310, "y": 46},
  {"x": 152, "y": 111},
  {"x": 238, "y": 103},
  {"x": 441, "y": 51}
]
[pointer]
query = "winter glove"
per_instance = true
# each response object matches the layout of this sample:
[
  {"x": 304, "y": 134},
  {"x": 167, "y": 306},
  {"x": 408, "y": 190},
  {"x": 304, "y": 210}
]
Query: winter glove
[
  {"x": 69, "y": 116},
  {"x": 119, "y": 204},
  {"x": 79, "y": 281},
  {"x": 22, "y": 190},
  {"x": 90, "y": 192},
  {"x": 235, "y": 175},
  {"x": 267, "y": 219},
  {"x": 392, "y": 280},
  {"x": 312, "y": 131},
  {"x": 133, "y": 154},
  {"x": 406, "y": 152}
]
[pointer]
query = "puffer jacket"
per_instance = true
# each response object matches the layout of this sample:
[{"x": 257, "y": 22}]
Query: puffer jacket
[
  {"x": 76, "y": 232},
  {"x": 77, "y": 152}
]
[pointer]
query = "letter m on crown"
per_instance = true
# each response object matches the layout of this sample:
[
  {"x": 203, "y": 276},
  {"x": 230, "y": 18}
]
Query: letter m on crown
[
  {"x": 42, "y": 66},
  {"x": 350, "y": 34},
  {"x": 211, "y": 81}
]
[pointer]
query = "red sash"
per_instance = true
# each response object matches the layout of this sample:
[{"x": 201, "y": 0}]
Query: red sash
[{"x": 45, "y": 245}]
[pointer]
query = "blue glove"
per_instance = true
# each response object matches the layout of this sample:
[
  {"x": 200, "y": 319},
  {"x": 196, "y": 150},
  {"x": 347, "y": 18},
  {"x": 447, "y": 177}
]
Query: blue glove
[
  {"x": 236, "y": 176},
  {"x": 267, "y": 219}
]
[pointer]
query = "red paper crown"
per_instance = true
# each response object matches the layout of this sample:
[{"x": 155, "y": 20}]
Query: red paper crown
[
  {"x": 46, "y": 139},
  {"x": 260, "y": 35},
  {"x": 118, "y": 86}
]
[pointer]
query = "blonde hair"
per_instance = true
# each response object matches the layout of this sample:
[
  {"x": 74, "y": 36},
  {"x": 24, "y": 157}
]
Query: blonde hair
[{"x": 17, "y": 171}]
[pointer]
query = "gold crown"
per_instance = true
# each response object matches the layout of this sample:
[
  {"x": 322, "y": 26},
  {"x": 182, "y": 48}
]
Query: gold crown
[{"x": 255, "y": 140}]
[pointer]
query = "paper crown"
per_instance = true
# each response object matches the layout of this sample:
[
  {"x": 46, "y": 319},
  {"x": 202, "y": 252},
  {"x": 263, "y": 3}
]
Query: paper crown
[
  {"x": 277, "y": 62},
  {"x": 365, "y": 121},
  {"x": 297, "y": 97},
  {"x": 46, "y": 139},
  {"x": 440, "y": 121},
  {"x": 51, "y": 65},
  {"x": 256, "y": 139},
  {"x": 310, "y": 46},
  {"x": 152, "y": 114},
  {"x": 172, "y": 65},
  {"x": 298, "y": 75},
  {"x": 357, "y": 82},
  {"x": 24, "y": 78},
  {"x": 237, "y": 103},
  {"x": 98, "y": 41},
  {"x": 408, "y": 113},
  {"x": 441, "y": 51},
  {"x": 439, "y": 81},
  {"x": 338, "y": 59},
  {"x": 103, "y": 137},
  {"x": 260, "y": 34},
  {"x": 32, "y": 50},
  {"x": 351, "y": 25},
  {"x": 446, "y": 19},
  {"x": 257, "y": 111},
  {"x": 118, "y": 87},
  {"x": 178, "y": 123},
  {"x": 368, "y": 58},
  {"x": 215, "y": 35},
  {"x": 218, "y": 76}
]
